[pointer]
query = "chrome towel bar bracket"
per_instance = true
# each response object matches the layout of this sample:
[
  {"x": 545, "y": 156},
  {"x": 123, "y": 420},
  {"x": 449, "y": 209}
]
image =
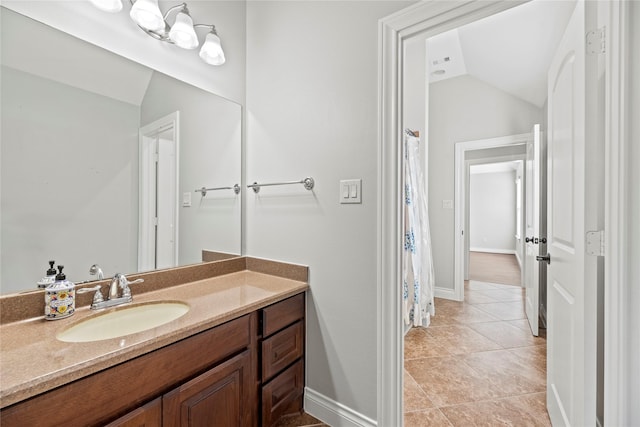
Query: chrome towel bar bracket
[
  {"x": 203, "y": 190},
  {"x": 307, "y": 182}
]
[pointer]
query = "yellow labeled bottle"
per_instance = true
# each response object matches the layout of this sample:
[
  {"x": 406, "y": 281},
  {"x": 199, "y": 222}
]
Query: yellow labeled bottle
[{"x": 59, "y": 297}]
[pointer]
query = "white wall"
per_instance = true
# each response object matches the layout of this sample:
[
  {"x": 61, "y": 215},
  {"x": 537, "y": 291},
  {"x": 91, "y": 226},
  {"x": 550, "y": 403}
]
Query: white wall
[
  {"x": 463, "y": 109},
  {"x": 118, "y": 33},
  {"x": 415, "y": 86},
  {"x": 59, "y": 182},
  {"x": 492, "y": 212},
  {"x": 312, "y": 111},
  {"x": 210, "y": 144}
]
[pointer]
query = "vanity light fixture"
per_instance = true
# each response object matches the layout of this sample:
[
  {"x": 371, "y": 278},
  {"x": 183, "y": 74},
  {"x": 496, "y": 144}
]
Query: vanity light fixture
[{"x": 146, "y": 14}]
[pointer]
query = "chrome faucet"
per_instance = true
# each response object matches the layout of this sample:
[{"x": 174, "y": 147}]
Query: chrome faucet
[
  {"x": 118, "y": 281},
  {"x": 96, "y": 270}
]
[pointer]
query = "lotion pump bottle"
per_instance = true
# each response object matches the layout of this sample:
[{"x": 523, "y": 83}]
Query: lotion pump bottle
[
  {"x": 59, "y": 297},
  {"x": 49, "y": 278}
]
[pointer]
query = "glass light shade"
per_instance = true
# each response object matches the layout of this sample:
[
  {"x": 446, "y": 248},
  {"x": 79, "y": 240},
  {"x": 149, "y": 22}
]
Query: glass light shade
[
  {"x": 211, "y": 51},
  {"x": 112, "y": 6},
  {"x": 182, "y": 32},
  {"x": 146, "y": 13}
]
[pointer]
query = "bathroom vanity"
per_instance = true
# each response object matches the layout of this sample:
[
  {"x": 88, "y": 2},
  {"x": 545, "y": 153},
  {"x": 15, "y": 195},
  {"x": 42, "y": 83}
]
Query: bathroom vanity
[{"x": 236, "y": 358}]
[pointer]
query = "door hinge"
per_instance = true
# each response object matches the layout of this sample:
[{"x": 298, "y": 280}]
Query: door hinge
[
  {"x": 595, "y": 243},
  {"x": 595, "y": 42}
]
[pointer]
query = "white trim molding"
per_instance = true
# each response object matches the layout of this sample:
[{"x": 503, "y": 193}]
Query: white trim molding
[
  {"x": 495, "y": 251},
  {"x": 333, "y": 413},
  {"x": 461, "y": 167},
  {"x": 424, "y": 18},
  {"x": 617, "y": 357},
  {"x": 445, "y": 293}
]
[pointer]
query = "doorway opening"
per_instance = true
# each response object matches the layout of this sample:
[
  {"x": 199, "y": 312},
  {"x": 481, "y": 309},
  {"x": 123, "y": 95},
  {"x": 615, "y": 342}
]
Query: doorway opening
[
  {"x": 474, "y": 154},
  {"x": 494, "y": 248},
  {"x": 158, "y": 186}
]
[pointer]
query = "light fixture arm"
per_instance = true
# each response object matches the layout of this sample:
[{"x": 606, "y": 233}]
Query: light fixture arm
[
  {"x": 150, "y": 19},
  {"x": 182, "y": 6}
]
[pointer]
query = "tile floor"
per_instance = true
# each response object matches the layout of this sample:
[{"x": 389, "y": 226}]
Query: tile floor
[
  {"x": 299, "y": 420},
  {"x": 477, "y": 364}
]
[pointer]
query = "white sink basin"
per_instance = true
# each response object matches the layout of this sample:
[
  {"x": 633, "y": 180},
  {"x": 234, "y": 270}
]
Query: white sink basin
[{"x": 124, "y": 321}]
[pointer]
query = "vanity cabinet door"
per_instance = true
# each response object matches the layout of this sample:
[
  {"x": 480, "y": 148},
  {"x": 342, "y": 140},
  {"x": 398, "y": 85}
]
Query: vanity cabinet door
[
  {"x": 149, "y": 415},
  {"x": 220, "y": 397}
]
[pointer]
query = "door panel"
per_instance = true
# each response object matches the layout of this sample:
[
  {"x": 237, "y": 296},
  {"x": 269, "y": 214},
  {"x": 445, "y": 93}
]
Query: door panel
[
  {"x": 571, "y": 308},
  {"x": 533, "y": 172}
]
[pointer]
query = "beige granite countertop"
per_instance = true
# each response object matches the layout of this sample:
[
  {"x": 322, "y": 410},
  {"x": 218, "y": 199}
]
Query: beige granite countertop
[{"x": 33, "y": 361}]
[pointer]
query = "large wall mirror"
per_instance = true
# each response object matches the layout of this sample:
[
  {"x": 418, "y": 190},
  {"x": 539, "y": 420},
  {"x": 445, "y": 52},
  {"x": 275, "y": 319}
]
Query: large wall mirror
[{"x": 94, "y": 147}]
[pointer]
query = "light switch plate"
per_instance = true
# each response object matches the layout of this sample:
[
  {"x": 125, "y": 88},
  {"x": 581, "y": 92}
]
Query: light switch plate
[
  {"x": 351, "y": 191},
  {"x": 186, "y": 200},
  {"x": 447, "y": 204}
]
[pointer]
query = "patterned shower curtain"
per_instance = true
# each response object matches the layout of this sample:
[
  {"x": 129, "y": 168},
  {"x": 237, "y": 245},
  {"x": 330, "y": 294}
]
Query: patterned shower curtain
[{"x": 418, "y": 277}]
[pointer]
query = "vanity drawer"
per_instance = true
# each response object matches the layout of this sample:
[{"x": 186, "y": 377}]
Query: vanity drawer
[
  {"x": 282, "y": 314},
  {"x": 283, "y": 394},
  {"x": 281, "y": 349}
]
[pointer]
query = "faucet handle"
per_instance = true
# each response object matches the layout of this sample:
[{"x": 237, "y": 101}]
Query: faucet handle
[
  {"x": 97, "y": 297},
  {"x": 124, "y": 285}
]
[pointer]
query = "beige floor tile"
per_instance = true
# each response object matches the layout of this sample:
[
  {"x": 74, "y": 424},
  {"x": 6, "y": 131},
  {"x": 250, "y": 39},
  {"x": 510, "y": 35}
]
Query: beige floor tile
[
  {"x": 427, "y": 418},
  {"x": 533, "y": 355},
  {"x": 476, "y": 285},
  {"x": 460, "y": 339},
  {"x": 478, "y": 363},
  {"x": 507, "y": 373},
  {"x": 299, "y": 420},
  {"x": 419, "y": 344},
  {"x": 415, "y": 399},
  {"x": 504, "y": 310},
  {"x": 502, "y": 295},
  {"x": 470, "y": 314},
  {"x": 506, "y": 335},
  {"x": 520, "y": 323},
  {"x": 449, "y": 381},
  {"x": 491, "y": 413},
  {"x": 477, "y": 297},
  {"x": 535, "y": 404}
]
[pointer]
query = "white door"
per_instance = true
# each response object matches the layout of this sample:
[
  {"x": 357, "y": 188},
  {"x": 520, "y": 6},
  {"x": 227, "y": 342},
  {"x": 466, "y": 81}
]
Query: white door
[
  {"x": 158, "y": 209},
  {"x": 571, "y": 331},
  {"x": 166, "y": 203},
  {"x": 533, "y": 173}
]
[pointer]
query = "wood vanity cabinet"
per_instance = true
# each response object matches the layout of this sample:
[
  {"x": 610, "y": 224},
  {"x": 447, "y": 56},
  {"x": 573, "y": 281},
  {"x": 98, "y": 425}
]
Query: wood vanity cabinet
[
  {"x": 220, "y": 377},
  {"x": 282, "y": 358}
]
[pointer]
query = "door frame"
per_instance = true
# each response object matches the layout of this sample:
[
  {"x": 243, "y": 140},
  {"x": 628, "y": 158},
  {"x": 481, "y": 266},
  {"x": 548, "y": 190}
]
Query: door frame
[
  {"x": 617, "y": 195},
  {"x": 461, "y": 210},
  {"x": 147, "y": 179},
  {"x": 430, "y": 18}
]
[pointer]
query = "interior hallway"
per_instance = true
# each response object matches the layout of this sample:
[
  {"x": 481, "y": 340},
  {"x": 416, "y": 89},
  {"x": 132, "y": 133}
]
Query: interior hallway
[
  {"x": 494, "y": 268},
  {"x": 477, "y": 364}
]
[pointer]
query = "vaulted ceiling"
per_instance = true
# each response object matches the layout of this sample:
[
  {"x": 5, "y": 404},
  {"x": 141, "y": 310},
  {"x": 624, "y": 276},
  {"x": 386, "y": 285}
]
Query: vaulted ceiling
[{"x": 511, "y": 50}]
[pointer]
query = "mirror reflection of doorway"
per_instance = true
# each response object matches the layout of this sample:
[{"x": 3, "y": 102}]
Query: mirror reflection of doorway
[{"x": 158, "y": 242}]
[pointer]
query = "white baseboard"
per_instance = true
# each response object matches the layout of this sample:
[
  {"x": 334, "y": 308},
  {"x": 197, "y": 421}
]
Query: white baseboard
[
  {"x": 333, "y": 413},
  {"x": 445, "y": 293},
  {"x": 494, "y": 251}
]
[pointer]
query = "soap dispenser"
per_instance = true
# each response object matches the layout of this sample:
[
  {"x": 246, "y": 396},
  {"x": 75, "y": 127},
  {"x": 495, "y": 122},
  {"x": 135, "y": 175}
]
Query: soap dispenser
[
  {"x": 59, "y": 297},
  {"x": 49, "y": 278}
]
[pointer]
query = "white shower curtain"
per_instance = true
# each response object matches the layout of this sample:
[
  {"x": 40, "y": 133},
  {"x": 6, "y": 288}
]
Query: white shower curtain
[{"x": 418, "y": 278}]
